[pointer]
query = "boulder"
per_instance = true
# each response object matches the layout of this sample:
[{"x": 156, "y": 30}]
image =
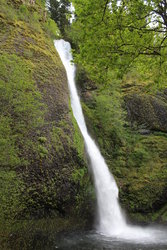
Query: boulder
[{"x": 147, "y": 111}]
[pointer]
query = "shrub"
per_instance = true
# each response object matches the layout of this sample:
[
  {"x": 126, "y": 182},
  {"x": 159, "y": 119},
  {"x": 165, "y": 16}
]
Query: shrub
[{"x": 51, "y": 28}]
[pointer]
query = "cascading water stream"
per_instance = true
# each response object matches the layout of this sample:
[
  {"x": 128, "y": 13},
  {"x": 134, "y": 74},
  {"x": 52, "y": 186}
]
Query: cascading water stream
[{"x": 111, "y": 219}]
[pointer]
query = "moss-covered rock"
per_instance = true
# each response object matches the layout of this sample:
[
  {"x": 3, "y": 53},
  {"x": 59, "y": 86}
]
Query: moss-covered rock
[
  {"x": 42, "y": 163},
  {"x": 148, "y": 111}
]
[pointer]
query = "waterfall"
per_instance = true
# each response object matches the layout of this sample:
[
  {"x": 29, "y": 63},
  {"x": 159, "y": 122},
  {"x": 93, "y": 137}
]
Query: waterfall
[{"x": 111, "y": 219}]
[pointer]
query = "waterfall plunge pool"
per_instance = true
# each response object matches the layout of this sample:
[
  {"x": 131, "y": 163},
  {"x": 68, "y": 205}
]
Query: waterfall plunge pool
[{"x": 90, "y": 240}]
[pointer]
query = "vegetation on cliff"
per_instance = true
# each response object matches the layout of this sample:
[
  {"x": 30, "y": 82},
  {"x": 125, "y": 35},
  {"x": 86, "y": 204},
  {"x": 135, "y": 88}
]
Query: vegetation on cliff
[
  {"x": 135, "y": 149},
  {"x": 121, "y": 52},
  {"x": 121, "y": 77},
  {"x": 43, "y": 169}
]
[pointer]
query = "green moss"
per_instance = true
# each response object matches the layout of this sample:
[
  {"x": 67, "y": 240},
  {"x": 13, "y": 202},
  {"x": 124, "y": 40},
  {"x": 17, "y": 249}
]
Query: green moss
[
  {"x": 147, "y": 111},
  {"x": 42, "y": 139},
  {"x": 10, "y": 198},
  {"x": 58, "y": 137},
  {"x": 36, "y": 130},
  {"x": 39, "y": 138},
  {"x": 8, "y": 149},
  {"x": 43, "y": 152},
  {"x": 78, "y": 139},
  {"x": 137, "y": 161},
  {"x": 21, "y": 106},
  {"x": 38, "y": 234}
]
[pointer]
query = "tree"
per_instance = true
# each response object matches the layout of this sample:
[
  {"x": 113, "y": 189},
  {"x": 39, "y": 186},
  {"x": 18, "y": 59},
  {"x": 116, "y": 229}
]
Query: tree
[
  {"x": 59, "y": 11},
  {"x": 114, "y": 34}
]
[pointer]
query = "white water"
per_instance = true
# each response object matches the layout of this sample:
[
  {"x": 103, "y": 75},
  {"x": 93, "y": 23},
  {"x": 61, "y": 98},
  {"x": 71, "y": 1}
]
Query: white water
[{"x": 111, "y": 219}]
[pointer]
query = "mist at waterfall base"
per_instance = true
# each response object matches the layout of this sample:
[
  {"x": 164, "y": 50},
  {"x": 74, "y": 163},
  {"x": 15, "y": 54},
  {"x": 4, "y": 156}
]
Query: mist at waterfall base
[{"x": 111, "y": 220}]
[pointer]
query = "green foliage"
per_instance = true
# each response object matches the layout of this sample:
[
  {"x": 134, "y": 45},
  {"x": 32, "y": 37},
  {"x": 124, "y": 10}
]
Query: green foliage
[
  {"x": 145, "y": 75},
  {"x": 59, "y": 11},
  {"x": 122, "y": 47},
  {"x": 117, "y": 34},
  {"x": 104, "y": 113},
  {"x": 137, "y": 161},
  {"x": 52, "y": 29}
]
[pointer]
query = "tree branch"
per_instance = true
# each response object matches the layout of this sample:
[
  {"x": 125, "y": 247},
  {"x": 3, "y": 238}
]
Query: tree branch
[{"x": 104, "y": 11}]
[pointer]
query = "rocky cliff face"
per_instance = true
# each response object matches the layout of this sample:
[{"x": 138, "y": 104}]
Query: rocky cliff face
[
  {"x": 43, "y": 169},
  {"x": 148, "y": 111}
]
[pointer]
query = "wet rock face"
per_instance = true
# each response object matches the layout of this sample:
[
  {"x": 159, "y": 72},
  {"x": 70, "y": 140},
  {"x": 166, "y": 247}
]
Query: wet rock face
[{"x": 148, "y": 111}]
